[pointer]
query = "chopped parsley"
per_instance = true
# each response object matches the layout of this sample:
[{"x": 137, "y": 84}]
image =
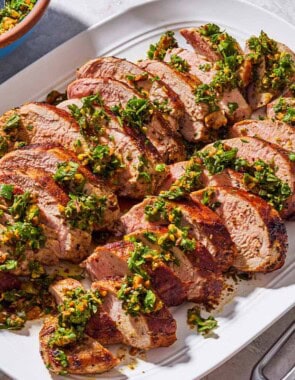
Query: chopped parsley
[
  {"x": 56, "y": 97},
  {"x": 83, "y": 211},
  {"x": 204, "y": 326},
  {"x": 279, "y": 66},
  {"x": 137, "y": 113},
  {"x": 207, "y": 199},
  {"x": 156, "y": 211},
  {"x": 158, "y": 51},
  {"x": 104, "y": 161},
  {"x": 179, "y": 64},
  {"x": 12, "y": 123},
  {"x": 205, "y": 93},
  {"x": 137, "y": 296},
  {"x": 91, "y": 117},
  {"x": 186, "y": 183},
  {"x": 284, "y": 111},
  {"x": 73, "y": 314},
  {"x": 67, "y": 175},
  {"x": 13, "y": 12},
  {"x": 6, "y": 191},
  {"x": 232, "y": 106}
]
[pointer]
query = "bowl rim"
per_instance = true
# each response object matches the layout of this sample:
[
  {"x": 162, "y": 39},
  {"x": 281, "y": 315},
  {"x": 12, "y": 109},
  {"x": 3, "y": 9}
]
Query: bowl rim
[{"x": 25, "y": 25}]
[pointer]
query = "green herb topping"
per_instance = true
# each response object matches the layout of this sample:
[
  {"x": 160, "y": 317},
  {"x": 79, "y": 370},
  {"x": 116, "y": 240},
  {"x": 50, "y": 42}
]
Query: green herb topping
[
  {"x": 259, "y": 177},
  {"x": 67, "y": 175},
  {"x": 279, "y": 66},
  {"x": 83, "y": 211},
  {"x": 91, "y": 117},
  {"x": 14, "y": 12},
  {"x": 179, "y": 64},
  {"x": 136, "y": 114},
  {"x": 73, "y": 314},
  {"x": 137, "y": 296},
  {"x": 207, "y": 199},
  {"x": 204, "y": 326},
  {"x": 284, "y": 111},
  {"x": 167, "y": 41}
]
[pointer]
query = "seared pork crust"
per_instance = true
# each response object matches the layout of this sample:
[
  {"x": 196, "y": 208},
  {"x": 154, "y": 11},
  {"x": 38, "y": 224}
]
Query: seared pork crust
[
  {"x": 254, "y": 226},
  {"x": 85, "y": 357},
  {"x": 145, "y": 331}
]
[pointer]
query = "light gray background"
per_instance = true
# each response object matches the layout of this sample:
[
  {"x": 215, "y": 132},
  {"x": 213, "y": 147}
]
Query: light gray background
[{"x": 62, "y": 21}]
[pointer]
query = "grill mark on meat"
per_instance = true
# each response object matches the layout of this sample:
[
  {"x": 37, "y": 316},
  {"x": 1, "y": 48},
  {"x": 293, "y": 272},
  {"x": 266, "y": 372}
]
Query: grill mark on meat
[
  {"x": 85, "y": 357},
  {"x": 263, "y": 248},
  {"x": 120, "y": 69},
  {"x": 167, "y": 143}
]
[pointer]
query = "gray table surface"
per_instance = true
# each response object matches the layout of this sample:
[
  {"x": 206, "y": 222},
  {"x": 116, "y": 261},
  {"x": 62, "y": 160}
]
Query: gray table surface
[{"x": 62, "y": 21}]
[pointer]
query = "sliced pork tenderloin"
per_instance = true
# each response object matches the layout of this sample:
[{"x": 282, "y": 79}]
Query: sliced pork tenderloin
[
  {"x": 144, "y": 331},
  {"x": 227, "y": 177},
  {"x": 273, "y": 131},
  {"x": 254, "y": 226},
  {"x": 196, "y": 68},
  {"x": 83, "y": 358},
  {"x": 200, "y": 40},
  {"x": 49, "y": 158},
  {"x": 100, "y": 326},
  {"x": 138, "y": 176},
  {"x": 282, "y": 109},
  {"x": 131, "y": 74},
  {"x": 253, "y": 149},
  {"x": 198, "y": 122},
  {"x": 204, "y": 225},
  {"x": 188, "y": 277},
  {"x": 72, "y": 244},
  {"x": 266, "y": 84},
  {"x": 115, "y": 93}
]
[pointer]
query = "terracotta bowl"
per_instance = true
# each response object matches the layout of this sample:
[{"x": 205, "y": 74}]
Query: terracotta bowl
[{"x": 15, "y": 36}]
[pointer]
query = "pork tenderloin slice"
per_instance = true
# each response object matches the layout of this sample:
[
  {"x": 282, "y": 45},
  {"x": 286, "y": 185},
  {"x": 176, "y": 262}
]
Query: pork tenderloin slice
[
  {"x": 131, "y": 74},
  {"x": 257, "y": 96},
  {"x": 133, "y": 150},
  {"x": 46, "y": 255},
  {"x": 167, "y": 143},
  {"x": 202, "y": 45},
  {"x": 193, "y": 127},
  {"x": 254, "y": 226},
  {"x": 273, "y": 131},
  {"x": 287, "y": 103},
  {"x": 195, "y": 270},
  {"x": 196, "y": 62},
  {"x": 227, "y": 177},
  {"x": 47, "y": 158},
  {"x": 73, "y": 244},
  {"x": 100, "y": 326},
  {"x": 145, "y": 331},
  {"x": 85, "y": 357},
  {"x": 46, "y": 124},
  {"x": 203, "y": 224},
  {"x": 253, "y": 149},
  {"x": 112, "y": 261}
]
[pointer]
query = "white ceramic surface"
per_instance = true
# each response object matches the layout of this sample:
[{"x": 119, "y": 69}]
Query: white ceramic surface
[{"x": 258, "y": 303}]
